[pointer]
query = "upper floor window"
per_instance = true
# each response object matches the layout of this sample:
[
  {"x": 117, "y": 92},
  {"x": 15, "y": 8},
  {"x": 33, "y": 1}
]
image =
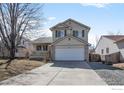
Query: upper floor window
[
  {"x": 45, "y": 47},
  {"x": 38, "y": 47},
  {"x": 102, "y": 51},
  {"x": 83, "y": 33},
  {"x": 62, "y": 33},
  {"x": 107, "y": 50},
  {"x": 57, "y": 33},
  {"x": 75, "y": 33}
]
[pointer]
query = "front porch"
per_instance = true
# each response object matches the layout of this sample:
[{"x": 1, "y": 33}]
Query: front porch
[
  {"x": 39, "y": 55},
  {"x": 41, "y": 51}
]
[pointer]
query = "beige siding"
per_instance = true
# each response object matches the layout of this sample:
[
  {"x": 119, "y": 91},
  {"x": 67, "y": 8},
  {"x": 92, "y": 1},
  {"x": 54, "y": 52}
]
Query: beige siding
[
  {"x": 79, "y": 28},
  {"x": 72, "y": 41},
  {"x": 68, "y": 46},
  {"x": 74, "y": 26}
]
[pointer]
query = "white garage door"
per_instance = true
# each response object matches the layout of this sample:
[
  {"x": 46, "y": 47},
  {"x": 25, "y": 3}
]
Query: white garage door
[{"x": 69, "y": 54}]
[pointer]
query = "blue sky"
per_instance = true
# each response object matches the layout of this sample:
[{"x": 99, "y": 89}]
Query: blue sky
[{"x": 102, "y": 18}]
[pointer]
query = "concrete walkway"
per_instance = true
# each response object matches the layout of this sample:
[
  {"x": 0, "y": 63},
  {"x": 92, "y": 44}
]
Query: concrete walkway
[{"x": 69, "y": 73}]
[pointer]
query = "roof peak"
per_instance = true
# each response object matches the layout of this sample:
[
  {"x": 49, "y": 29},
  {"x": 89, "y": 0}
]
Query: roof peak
[{"x": 70, "y": 19}]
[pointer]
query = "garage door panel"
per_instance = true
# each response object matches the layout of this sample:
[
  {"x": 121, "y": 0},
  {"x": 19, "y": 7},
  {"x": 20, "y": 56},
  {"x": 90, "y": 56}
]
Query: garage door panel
[{"x": 69, "y": 54}]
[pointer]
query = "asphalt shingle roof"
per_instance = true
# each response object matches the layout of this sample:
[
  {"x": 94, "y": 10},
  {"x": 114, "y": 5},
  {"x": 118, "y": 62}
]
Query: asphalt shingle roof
[
  {"x": 114, "y": 37},
  {"x": 43, "y": 40}
]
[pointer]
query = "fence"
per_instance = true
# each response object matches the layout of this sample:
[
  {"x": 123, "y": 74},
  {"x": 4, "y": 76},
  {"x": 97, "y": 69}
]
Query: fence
[
  {"x": 94, "y": 57},
  {"x": 112, "y": 58},
  {"x": 103, "y": 58},
  {"x": 107, "y": 59}
]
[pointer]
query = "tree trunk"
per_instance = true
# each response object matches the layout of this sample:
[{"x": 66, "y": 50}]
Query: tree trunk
[
  {"x": 12, "y": 57},
  {"x": 12, "y": 53}
]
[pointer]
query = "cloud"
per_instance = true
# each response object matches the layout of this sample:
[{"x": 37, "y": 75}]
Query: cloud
[
  {"x": 44, "y": 23},
  {"x": 34, "y": 34},
  {"x": 47, "y": 32},
  {"x": 98, "y": 5},
  {"x": 51, "y": 18},
  {"x": 48, "y": 19}
]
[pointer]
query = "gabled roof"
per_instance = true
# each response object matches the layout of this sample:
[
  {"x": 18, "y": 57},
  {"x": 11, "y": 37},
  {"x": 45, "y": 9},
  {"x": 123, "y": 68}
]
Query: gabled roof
[
  {"x": 120, "y": 40},
  {"x": 43, "y": 40},
  {"x": 72, "y": 21},
  {"x": 80, "y": 40},
  {"x": 114, "y": 37}
]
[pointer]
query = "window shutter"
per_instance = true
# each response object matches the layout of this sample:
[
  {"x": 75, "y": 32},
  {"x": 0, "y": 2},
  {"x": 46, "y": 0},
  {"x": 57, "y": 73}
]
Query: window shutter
[
  {"x": 56, "y": 33},
  {"x": 65, "y": 32},
  {"x": 83, "y": 33},
  {"x": 73, "y": 33}
]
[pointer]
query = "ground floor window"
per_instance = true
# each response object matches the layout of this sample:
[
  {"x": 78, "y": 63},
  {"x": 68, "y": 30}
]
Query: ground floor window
[
  {"x": 42, "y": 47},
  {"x": 45, "y": 47},
  {"x": 16, "y": 50},
  {"x": 38, "y": 48}
]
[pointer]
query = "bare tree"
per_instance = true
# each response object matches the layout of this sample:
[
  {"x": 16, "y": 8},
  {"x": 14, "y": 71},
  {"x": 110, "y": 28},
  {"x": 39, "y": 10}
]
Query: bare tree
[
  {"x": 97, "y": 39},
  {"x": 112, "y": 33},
  {"x": 15, "y": 20}
]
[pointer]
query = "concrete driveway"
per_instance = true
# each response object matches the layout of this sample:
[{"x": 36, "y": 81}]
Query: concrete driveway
[{"x": 59, "y": 73}]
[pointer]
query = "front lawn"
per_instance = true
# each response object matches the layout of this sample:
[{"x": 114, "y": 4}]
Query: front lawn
[
  {"x": 119, "y": 65},
  {"x": 18, "y": 66}
]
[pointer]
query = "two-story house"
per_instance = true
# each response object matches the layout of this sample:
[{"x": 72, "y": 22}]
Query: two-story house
[{"x": 70, "y": 41}]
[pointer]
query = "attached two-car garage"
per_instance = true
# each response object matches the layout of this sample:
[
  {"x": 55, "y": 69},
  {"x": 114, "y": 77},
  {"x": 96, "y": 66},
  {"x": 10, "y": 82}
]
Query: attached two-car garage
[
  {"x": 69, "y": 49},
  {"x": 69, "y": 53}
]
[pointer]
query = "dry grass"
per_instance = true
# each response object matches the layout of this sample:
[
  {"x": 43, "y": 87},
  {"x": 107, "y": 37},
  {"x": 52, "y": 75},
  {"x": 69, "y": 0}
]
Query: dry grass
[
  {"x": 17, "y": 67},
  {"x": 119, "y": 65}
]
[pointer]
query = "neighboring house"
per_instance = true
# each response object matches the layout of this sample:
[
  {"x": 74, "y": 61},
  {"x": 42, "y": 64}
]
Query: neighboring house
[
  {"x": 70, "y": 41},
  {"x": 41, "y": 47},
  {"x": 24, "y": 49},
  {"x": 109, "y": 44}
]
